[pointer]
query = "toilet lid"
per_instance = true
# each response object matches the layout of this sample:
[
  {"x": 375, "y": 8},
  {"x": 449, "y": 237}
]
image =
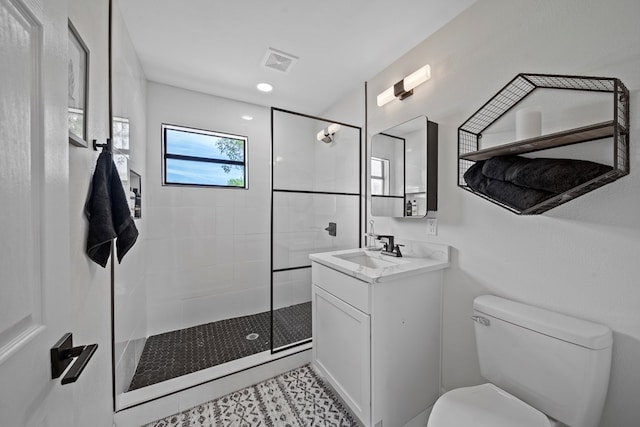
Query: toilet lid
[{"x": 484, "y": 406}]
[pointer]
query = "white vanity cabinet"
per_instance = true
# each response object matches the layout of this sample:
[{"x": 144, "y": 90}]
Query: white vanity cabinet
[
  {"x": 376, "y": 337},
  {"x": 342, "y": 337}
]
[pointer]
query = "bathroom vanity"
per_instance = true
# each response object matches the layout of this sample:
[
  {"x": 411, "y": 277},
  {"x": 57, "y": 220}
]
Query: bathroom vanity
[{"x": 377, "y": 329}]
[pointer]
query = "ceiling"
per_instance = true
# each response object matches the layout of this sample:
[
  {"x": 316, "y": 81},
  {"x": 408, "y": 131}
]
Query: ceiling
[{"x": 219, "y": 46}]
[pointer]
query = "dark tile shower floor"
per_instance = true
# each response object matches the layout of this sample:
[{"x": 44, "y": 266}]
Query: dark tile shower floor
[{"x": 184, "y": 351}]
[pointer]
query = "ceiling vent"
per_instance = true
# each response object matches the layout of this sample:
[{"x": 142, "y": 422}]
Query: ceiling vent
[{"x": 278, "y": 60}]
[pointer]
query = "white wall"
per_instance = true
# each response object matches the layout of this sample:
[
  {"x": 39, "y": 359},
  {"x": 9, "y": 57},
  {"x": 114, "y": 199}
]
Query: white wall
[
  {"x": 579, "y": 258},
  {"x": 208, "y": 248},
  {"x": 130, "y": 299},
  {"x": 90, "y": 283}
]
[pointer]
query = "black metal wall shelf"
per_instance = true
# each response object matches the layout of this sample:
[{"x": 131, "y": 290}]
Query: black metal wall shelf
[{"x": 470, "y": 132}]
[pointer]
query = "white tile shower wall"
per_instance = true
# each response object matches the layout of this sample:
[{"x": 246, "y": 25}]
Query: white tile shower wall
[
  {"x": 299, "y": 226},
  {"x": 130, "y": 303},
  {"x": 208, "y": 247},
  {"x": 130, "y": 319},
  {"x": 291, "y": 287},
  {"x": 294, "y": 138},
  {"x": 579, "y": 258},
  {"x": 304, "y": 163},
  {"x": 126, "y": 365},
  {"x": 336, "y": 164}
]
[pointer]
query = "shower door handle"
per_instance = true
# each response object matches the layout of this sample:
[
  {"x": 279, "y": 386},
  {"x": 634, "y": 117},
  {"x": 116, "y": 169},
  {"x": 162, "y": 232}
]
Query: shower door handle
[{"x": 332, "y": 229}]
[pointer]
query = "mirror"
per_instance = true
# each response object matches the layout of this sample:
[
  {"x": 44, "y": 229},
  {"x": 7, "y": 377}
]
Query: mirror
[{"x": 403, "y": 170}]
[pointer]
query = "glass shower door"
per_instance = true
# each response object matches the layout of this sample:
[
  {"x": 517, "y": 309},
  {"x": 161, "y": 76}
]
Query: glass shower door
[{"x": 315, "y": 208}]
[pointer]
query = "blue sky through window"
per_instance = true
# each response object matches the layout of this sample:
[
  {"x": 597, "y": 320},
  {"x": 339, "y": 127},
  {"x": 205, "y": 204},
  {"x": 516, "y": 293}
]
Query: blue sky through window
[
  {"x": 201, "y": 173},
  {"x": 194, "y": 144},
  {"x": 207, "y": 146}
]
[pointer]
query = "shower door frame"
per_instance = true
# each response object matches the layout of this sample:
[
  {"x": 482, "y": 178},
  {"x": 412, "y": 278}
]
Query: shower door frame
[{"x": 273, "y": 190}]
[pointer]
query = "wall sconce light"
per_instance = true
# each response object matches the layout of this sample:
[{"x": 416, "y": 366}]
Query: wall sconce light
[
  {"x": 327, "y": 135},
  {"x": 404, "y": 87}
]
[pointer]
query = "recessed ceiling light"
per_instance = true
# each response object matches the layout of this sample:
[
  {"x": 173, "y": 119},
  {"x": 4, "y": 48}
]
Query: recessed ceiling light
[
  {"x": 247, "y": 117},
  {"x": 264, "y": 87}
]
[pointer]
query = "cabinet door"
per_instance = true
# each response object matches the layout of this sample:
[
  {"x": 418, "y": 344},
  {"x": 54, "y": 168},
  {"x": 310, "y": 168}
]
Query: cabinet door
[{"x": 341, "y": 350}]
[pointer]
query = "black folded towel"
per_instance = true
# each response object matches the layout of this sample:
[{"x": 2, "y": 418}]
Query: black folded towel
[
  {"x": 500, "y": 167},
  {"x": 555, "y": 175},
  {"x": 510, "y": 194},
  {"x": 521, "y": 182},
  {"x": 108, "y": 213},
  {"x": 475, "y": 178}
]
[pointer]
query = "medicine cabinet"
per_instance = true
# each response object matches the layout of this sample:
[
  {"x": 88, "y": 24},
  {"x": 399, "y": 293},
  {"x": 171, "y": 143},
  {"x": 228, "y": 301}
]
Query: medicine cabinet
[{"x": 403, "y": 170}]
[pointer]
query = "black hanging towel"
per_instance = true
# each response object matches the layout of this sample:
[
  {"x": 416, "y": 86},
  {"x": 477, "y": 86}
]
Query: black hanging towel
[{"x": 108, "y": 213}]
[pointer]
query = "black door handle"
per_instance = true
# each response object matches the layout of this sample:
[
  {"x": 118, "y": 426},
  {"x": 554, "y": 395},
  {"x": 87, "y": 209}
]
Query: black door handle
[{"x": 62, "y": 354}]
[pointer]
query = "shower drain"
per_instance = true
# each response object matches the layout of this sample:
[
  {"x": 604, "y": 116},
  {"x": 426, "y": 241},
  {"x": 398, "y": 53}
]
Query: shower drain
[{"x": 252, "y": 336}]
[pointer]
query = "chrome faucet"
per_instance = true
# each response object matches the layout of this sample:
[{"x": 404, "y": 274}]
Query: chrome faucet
[{"x": 389, "y": 247}]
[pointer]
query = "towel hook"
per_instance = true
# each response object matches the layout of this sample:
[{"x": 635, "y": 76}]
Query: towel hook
[{"x": 106, "y": 146}]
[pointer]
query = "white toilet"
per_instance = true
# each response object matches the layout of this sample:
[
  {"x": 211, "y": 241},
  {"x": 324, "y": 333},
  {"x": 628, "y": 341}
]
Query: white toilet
[{"x": 545, "y": 369}]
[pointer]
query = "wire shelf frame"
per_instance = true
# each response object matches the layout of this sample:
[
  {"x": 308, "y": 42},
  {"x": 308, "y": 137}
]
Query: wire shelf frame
[{"x": 470, "y": 132}]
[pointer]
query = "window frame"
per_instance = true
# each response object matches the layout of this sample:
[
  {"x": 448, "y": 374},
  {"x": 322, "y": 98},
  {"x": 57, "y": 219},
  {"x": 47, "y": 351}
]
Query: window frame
[
  {"x": 384, "y": 178},
  {"x": 215, "y": 134}
]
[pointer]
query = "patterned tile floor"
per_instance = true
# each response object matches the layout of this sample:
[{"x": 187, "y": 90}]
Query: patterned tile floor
[
  {"x": 297, "y": 398},
  {"x": 181, "y": 352}
]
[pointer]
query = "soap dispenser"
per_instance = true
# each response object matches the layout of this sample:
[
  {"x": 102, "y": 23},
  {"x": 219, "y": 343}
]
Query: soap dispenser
[{"x": 371, "y": 237}]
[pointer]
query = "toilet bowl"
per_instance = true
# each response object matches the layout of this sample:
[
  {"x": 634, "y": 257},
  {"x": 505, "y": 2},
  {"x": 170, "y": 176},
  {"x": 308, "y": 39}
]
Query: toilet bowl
[{"x": 544, "y": 369}]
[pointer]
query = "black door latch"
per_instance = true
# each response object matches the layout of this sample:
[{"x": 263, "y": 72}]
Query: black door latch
[{"x": 62, "y": 354}]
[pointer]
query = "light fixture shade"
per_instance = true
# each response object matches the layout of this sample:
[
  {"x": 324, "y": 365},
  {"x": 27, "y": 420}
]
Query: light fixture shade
[
  {"x": 404, "y": 87},
  {"x": 417, "y": 77},
  {"x": 385, "y": 97},
  {"x": 326, "y": 135},
  {"x": 333, "y": 128}
]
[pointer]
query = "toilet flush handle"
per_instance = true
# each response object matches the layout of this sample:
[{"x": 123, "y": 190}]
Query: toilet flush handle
[{"x": 482, "y": 320}]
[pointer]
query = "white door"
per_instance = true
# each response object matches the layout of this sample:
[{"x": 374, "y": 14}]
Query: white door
[{"x": 34, "y": 226}]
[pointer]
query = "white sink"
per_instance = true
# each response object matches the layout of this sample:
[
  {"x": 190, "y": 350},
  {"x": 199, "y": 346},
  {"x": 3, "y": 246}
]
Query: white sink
[
  {"x": 370, "y": 259},
  {"x": 373, "y": 266}
]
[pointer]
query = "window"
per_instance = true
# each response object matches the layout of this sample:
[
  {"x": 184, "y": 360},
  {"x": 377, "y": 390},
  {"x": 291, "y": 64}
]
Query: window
[
  {"x": 379, "y": 176},
  {"x": 203, "y": 158},
  {"x": 120, "y": 144}
]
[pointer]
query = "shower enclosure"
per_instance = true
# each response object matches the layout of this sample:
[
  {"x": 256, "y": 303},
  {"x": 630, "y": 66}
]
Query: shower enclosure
[
  {"x": 315, "y": 207},
  {"x": 219, "y": 280},
  {"x": 316, "y": 181}
]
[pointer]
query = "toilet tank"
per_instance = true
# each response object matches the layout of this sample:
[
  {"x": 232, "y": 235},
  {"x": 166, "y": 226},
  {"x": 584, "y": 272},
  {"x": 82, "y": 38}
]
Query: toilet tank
[{"x": 556, "y": 363}]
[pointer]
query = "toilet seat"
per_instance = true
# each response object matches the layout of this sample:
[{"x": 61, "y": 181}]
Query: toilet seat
[{"x": 484, "y": 406}]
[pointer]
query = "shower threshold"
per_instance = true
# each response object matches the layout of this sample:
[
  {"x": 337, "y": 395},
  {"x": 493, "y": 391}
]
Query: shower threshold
[{"x": 182, "y": 352}]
